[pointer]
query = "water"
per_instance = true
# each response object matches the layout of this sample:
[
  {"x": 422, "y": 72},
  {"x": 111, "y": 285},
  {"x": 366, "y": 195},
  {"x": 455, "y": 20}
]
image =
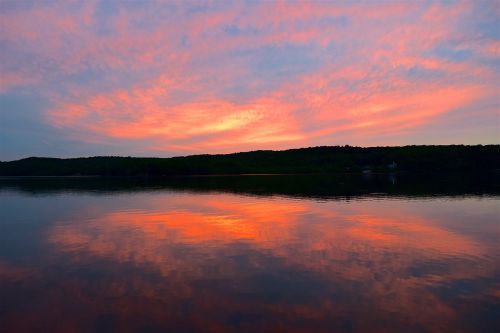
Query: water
[{"x": 249, "y": 254}]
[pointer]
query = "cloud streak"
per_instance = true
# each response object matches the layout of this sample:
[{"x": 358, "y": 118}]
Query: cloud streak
[{"x": 184, "y": 77}]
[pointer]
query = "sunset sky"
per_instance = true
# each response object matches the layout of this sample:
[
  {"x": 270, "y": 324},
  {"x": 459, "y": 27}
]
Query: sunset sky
[{"x": 166, "y": 78}]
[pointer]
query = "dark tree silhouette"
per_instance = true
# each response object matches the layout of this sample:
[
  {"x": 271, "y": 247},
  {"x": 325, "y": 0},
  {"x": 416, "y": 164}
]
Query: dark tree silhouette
[{"x": 335, "y": 159}]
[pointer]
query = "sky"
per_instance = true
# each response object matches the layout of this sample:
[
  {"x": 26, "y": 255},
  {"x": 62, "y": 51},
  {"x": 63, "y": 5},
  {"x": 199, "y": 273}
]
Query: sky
[{"x": 169, "y": 78}]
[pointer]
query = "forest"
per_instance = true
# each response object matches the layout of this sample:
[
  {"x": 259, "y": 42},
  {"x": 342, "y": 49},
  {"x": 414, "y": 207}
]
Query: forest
[{"x": 313, "y": 160}]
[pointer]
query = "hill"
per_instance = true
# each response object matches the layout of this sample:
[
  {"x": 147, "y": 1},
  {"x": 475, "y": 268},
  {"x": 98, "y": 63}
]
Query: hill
[{"x": 334, "y": 159}]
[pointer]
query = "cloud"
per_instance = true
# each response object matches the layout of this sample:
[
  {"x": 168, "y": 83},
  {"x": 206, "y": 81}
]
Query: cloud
[{"x": 181, "y": 77}]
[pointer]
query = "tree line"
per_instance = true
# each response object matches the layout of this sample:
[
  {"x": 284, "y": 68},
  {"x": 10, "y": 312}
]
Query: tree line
[{"x": 324, "y": 159}]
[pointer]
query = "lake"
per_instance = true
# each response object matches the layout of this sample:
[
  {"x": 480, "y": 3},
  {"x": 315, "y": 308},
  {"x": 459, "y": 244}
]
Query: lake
[{"x": 371, "y": 253}]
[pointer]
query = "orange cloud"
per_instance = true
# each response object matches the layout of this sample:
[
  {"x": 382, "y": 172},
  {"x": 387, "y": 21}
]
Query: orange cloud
[{"x": 232, "y": 77}]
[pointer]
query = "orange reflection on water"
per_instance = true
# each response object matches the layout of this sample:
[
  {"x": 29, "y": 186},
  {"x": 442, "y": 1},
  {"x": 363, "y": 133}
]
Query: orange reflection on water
[
  {"x": 304, "y": 234},
  {"x": 219, "y": 262}
]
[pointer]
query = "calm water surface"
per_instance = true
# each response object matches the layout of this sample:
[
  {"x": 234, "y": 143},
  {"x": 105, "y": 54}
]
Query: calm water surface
[{"x": 174, "y": 259}]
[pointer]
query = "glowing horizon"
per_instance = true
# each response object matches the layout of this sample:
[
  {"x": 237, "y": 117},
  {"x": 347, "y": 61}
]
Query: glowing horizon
[{"x": 80, "y": 78}]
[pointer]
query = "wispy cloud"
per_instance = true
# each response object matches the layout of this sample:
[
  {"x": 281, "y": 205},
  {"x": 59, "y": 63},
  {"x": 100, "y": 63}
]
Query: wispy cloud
[{"x": 182, "y": 77}]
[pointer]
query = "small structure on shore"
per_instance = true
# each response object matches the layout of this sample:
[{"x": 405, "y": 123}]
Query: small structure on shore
[{"x": 392, "y": 166}]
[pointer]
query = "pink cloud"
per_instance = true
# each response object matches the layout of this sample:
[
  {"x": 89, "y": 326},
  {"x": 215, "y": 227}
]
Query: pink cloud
[{"x": 171, "y": 78}]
